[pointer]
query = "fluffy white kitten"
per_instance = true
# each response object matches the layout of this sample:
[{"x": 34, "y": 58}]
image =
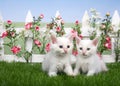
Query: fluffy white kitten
[
  {"x": 58, "y": 59},
  {"x": 87, "y": 60}
]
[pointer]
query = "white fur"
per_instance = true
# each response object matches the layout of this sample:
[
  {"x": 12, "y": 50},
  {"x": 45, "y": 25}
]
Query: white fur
[
  {"x": 89, "y": 63},
  {"x": 57, "y": 60}
]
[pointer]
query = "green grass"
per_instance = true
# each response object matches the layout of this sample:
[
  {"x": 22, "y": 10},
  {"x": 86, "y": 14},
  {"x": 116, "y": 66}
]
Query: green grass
[
  {"x": 22, "y": 74},
  {"x": 43, "y": 24}
]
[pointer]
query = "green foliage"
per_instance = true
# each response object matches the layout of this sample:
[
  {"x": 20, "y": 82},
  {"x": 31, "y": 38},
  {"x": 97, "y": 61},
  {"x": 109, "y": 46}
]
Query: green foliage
[
  {"x": 106, "y": 28},
  {"x": 93, "y": 35},
  {"x": 22, "y": 74}
]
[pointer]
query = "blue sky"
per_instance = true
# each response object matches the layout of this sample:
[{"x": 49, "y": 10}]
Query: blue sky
[{"x": 70, "y": 10}]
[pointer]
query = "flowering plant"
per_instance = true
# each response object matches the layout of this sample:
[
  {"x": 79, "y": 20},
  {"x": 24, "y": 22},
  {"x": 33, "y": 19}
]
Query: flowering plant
[
  {"x": 76, "y": 32},
  {"x": 39, "y": 37},
  {"x": 95, "y": 18},
  {"x": 105, "y": 40},
  {"x": 32, "y": 31},
  {"x": 94, "y": 22},
  {"x": 57, "y": 25},
  {"x": 11, "y": 34}
]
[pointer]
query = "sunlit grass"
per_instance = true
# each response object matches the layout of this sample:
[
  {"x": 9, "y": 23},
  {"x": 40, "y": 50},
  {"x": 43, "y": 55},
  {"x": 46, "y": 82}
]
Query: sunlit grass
[{"x": 31, "y": 74}]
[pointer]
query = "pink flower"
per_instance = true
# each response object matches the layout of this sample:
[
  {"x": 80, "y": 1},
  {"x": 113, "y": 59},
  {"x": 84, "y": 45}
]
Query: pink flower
[
  {"x": 108, "y": 39},
  {"x": 9, "y": 22},
  {"x": 47, "y": 48},
  {"x": 103, "y": 26},
  {"x": 80, "y": 36},
  {"x": 4, "y": 34},
  {"x": 108, "y": 45},
  {"x": 74, "y": 33},
  {"x": 77, "y": 22},
  {"x": 12, "y": 34},
  {"x": 41, "y": 16},
  {"x": 37, "y": 28},
  {"x": 59, "y": 17},
  {"x": 62, "y": 22},
  {"x": 37, "y": 42},
  {"x": 28, "y": 26},
  {"x": 15, "y": 49},
  {"x": 75, "y": 52},
  {"x": 58, "y": 29}
]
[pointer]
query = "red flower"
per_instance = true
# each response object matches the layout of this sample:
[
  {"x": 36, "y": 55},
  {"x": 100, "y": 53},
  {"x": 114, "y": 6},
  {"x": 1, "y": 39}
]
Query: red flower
[
  {"x": 80, "y": 36},
  {"x": 9, "y": 22},
  {"x": 15, "y": 49},
  {"x": 28, "y": 26},
  {"x": 12, "y": 34},
  {"x": 75, "y": 52},
  {"x": 37, "y": 42},
  {"x": 107, "y": 45},
  {"x": 108, "y": 39},
  {"x": 74, "y": 33},
  {"x": 77, "y": 22},
  {"x": 41, "y": 16},
  {"x": 37, "y": 28},
  {"x": 58, "y": 29},
  {"x": 47, "y": 48},
  {"x": 4, "y": 34}
]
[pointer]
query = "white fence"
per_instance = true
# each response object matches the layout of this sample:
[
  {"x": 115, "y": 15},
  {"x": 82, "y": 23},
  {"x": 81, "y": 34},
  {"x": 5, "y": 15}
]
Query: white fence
[{"x": 85, "y": 29}]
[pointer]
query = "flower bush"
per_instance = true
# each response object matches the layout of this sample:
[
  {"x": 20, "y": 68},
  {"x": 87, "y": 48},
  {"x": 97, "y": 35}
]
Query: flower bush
[
  {"x": 33, "y": 31},
  {"x": 39, "y": 37},
  {"x": 57, "y": 26},
  {"x": 94, "y": 22},
  {"x": 105, "y": 39},
  {"x": 76, "y": 32},
  {"x": 11, "y": 34}
]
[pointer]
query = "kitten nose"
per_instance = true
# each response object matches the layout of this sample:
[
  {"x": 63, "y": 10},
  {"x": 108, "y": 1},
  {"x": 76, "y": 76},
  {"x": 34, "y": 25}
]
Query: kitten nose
[
  {"x": 83, "y": 53},
  {"x": 65, "y": 50}
]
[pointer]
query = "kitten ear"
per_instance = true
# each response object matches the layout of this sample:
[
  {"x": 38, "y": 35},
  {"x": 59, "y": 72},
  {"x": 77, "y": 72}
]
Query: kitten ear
[
  {"x": 53, "y": 38},
  {"x": 95, "y": 41}
]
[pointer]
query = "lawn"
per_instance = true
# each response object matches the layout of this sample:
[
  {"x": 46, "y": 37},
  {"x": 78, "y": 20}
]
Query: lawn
[{"x": 23, "y": 74}]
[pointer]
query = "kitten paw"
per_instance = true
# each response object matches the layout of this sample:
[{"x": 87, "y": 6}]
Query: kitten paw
[
  {"x": 70, "y": 74},
  {"x": 52, "y": 74},
  {"x": 75, "y": 74},
  {"x": 90, "y": 74}
]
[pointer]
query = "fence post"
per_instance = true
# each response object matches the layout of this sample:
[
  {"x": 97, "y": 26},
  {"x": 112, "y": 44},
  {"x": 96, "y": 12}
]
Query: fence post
[
  {"x": 29, "y": 35},
  {"x": 115, "y": 24},
  {"x": 85, "y": 24},
  {"x": 1, "y": 40}
]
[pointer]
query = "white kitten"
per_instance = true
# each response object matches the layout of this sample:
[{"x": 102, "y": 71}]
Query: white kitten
[
  {"x": 87, "y": 60},
  {"x": 58, "y": 59}
]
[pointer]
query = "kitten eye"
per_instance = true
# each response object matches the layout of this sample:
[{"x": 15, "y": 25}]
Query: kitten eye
[
  {"x": 60, "y": 46},
  {"x": 80, "y": 48},
  {"x": 68, "y": 46},
  {"x": 88, "y": 48}
]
